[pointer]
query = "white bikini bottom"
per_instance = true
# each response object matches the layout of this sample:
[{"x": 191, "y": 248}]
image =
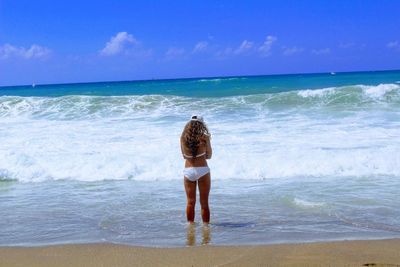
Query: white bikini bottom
[{"x": 195, "y": 173}]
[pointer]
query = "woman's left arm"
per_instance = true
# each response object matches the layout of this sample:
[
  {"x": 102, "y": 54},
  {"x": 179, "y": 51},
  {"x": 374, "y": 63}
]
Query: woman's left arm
[{"x": 183, "y": 154}]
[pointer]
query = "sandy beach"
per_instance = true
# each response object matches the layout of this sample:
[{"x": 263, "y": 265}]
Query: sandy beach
[{"x": 342, "y": 253}]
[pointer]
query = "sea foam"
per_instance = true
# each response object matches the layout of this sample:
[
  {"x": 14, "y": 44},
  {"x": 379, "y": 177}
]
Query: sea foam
[
  {"x": 73, "y": 107},
  {"x": 330, "y": 132}
]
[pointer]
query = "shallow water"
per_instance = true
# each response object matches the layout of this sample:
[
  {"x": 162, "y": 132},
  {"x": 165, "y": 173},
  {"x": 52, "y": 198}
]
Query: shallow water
[{"x": 243, "y": 212}]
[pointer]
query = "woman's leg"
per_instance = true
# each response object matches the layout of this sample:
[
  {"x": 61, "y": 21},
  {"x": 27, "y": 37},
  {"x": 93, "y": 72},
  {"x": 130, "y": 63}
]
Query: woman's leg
[
  {"x": 190, "y": 188},
  {"x": 204, "y": 188}
]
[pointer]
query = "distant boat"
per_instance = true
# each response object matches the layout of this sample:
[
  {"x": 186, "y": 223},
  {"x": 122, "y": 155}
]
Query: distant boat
[
  {"x": 333, "y": 73},
  {"x": 33, "y": 85}
]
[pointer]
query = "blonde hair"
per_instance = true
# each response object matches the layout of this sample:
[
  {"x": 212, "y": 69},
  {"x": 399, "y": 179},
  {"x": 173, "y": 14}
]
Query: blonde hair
[{"x": 192, "y": 133}]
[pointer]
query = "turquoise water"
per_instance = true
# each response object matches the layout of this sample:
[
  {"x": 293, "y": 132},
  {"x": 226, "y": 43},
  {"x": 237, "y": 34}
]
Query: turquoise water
[
  {"x": 209, "y": 87},
  {"x": 296, "y": 158}
]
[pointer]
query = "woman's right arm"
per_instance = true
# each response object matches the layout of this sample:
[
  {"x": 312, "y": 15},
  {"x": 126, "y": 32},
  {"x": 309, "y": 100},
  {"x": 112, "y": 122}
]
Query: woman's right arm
[{"x": 208, "y": 147}]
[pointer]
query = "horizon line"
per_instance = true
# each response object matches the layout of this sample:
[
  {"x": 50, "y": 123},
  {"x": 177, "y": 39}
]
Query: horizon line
[{"x": 199, "y": 77}]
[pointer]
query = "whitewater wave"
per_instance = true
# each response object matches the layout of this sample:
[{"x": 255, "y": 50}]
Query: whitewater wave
[
  {"x": 269, "y": 136},
  {"x": 250, "y": 149},
  {"x": 43, "y": 164},
  {"x": 213, "y": 80},
  {"x": 82, "y": 107}
]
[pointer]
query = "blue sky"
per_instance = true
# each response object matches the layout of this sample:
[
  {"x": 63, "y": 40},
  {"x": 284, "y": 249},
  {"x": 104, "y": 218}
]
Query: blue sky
[{"x": 83, "y": 41}]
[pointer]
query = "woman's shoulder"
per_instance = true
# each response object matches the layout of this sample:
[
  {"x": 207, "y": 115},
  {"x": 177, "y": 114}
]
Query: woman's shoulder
[
  {"x": 206, "y": 136},
  {"x": 204, "y": 139}
]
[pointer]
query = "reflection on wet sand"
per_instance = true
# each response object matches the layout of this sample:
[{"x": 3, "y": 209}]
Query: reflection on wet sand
[
  {"x": 191, "y": 234},
  {"x": 206, "y": 234}
]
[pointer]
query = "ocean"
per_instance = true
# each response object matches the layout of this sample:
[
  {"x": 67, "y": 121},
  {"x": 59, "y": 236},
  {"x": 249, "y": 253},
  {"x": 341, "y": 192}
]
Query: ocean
[{"x": 296, "y": 158}]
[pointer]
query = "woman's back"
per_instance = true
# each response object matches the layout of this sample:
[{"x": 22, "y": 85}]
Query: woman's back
[
  {"x": 199, "y": 159},
  {"x": 196, "y": 149}
]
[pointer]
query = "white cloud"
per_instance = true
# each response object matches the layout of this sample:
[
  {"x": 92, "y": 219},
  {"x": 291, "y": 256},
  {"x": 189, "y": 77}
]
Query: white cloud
[
  {"x": 120, "y": 43},
  {"x": 393, "y": 45},
  {"x": 200, "y": 47},
  {"x": 244, "y": 47},
  {"x": 322, "y": 51},
  {"x": 265, "y": 48},
  {"x": 288, "y": 51},
  {"x": 174, "y": 52},
  {"x": 34, "y": 52},
  {"x": 347, "y": 45},
  {"x": 224, "y": 52},
  {"x": 247, "y": 46}
]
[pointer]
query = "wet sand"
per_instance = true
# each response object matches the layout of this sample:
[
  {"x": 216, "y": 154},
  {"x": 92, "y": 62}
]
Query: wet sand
[{"x": 343, "y": 253}]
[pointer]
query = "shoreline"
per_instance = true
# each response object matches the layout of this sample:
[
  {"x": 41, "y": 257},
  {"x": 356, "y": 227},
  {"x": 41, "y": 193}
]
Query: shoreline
[{"x": 384, "y": 252}]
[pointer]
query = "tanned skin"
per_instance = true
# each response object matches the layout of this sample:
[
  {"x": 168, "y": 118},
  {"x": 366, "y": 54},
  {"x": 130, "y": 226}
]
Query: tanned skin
[{"x": 204, "y": 182}]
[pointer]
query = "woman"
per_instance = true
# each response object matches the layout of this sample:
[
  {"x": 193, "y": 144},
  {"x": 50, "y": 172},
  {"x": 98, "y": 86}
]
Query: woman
[{"x": 196, "y": 149}]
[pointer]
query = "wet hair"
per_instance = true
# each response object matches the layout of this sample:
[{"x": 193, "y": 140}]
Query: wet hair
[{"x": 192, "y": 134}]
